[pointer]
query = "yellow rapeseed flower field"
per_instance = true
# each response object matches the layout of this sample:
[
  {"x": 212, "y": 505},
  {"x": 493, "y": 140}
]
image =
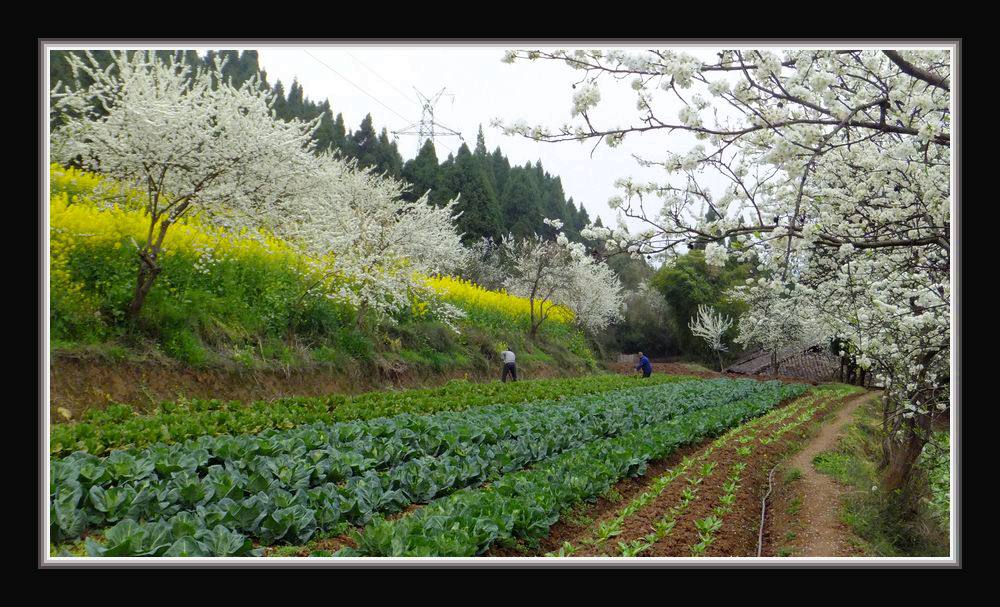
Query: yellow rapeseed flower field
[
  {"x": 79, "y": 219},
  {"x": 464, "y": 293}
]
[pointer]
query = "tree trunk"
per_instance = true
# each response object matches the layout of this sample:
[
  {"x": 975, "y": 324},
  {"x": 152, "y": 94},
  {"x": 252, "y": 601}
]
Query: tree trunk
[
  {"x": 149, "y": 254},
  {"x": 899, "y": 457},
  {"x": 148, "y": 271},
  {"x": 722, "y": 369},
  {"x": 362, "y": 309},
  {"x": 531, "y": 305}
]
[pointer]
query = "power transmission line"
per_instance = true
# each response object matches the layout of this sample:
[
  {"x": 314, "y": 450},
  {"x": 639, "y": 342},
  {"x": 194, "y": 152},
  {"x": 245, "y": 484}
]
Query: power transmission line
[
  {"x": 356, "y": 86},
  {"x": 408, "y": 98},
  {"x": 324, "y": 64}
]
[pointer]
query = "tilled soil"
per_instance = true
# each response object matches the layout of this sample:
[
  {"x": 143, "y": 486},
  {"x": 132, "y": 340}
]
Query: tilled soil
[
  {"x": 738, "y": 535},
  {"x": 579, "y": 524},
  {"x": 79, "y": 383},
  {"x": 570, "y": 525}
]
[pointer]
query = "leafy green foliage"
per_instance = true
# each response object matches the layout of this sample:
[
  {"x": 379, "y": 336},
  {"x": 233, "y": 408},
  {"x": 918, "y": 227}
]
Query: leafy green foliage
[
  {"x": 525, "y": 504},
  {"x": 936, "y": 462},
  {"x": 284, "y": 485},
  {"x": 690, "y": 282},
  {"x": 118, "y": 427}
]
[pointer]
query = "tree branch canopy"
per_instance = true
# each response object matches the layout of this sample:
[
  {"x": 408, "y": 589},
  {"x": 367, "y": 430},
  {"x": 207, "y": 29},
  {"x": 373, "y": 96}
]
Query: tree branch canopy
[
  {"x": 828, "y": 171},
  {"x": 916, "y": 72}
]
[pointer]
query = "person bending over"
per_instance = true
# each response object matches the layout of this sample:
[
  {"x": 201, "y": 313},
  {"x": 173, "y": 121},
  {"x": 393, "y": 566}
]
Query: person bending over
[
  {"x": 508, "y": 365},
  {"x": 647, "y": 368}
]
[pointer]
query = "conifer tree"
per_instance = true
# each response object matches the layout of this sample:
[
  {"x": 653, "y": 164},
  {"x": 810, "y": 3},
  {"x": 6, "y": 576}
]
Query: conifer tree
[
  {"x": 423, "y": 174},
  {"x": 520, "y": 203},
  {"x": 479, "y": 203},
  {"x": 363, "y": 144}
]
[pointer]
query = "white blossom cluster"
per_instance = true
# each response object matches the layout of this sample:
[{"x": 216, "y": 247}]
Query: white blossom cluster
[
  {"x": 839, "y": 169},
  {"x": 585, "y": 98},
  {"x": 559, "y": 272},
  {"x": 716, "y": 254},
  {"x": 196, "y": 144},
  {"x": 710, "y": 326},
  {"x": 178, "y": 134},
  {"x": 378, "y": 240}
]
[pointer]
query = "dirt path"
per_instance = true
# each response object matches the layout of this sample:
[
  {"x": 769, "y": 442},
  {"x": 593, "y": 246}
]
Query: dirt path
[{"x": 822, "y": 532}]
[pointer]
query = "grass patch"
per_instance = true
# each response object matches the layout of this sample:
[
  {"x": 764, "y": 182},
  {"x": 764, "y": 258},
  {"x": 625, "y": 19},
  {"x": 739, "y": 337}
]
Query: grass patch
[
  {"x": 286, "y": 551},
  {"x": 792, "y": 475},
  {"x": 793, "y": 447},
  {"x": 577, "y": 518},
  {"x": 74, "y": 548},
  {"x": 795, "y": 506},
  {"x": 840, "y": 466},
  {"x": 936, "y": 463}
]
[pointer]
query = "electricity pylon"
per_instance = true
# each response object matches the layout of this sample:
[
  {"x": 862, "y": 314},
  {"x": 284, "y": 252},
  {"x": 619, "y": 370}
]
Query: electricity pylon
[{"x": 427, "y": 128}]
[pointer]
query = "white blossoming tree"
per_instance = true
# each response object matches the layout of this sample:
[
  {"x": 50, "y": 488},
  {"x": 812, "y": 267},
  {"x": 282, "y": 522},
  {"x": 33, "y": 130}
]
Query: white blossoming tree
[
  {"x": 836, "y": 170},
  {"x": 190, "y": 141},
  {"x": 484, "y": 264},
  {"x": 594, "y": 294},
  {"x": 711, "y": 326},
  {"x": 775, "y": 322},
  {"x": 558, "y": 272},
  {"x": 380, "y": 243}
]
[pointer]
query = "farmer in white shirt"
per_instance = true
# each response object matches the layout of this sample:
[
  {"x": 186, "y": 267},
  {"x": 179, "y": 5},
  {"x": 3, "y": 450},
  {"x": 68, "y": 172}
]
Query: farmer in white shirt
[{"x": 508, "y": 365}]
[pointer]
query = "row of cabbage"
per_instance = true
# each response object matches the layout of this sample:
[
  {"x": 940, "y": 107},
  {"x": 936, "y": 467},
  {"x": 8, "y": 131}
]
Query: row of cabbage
[
  {"x": 523, "y": 505},
  {"x": 283, "y": 486},
  {"x": 119, "y": 427}
]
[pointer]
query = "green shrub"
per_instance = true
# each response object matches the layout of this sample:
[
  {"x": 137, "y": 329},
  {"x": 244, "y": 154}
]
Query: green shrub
[{"x": 185, "y": 346}]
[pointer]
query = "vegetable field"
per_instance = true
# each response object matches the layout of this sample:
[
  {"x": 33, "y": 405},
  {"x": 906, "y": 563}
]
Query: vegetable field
[
  {"x": 455, "y": 471},
  {"x": 705, "y": 503}
]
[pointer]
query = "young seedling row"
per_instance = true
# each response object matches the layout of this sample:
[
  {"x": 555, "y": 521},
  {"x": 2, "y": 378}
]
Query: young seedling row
[{"x": 645, "y": 524}]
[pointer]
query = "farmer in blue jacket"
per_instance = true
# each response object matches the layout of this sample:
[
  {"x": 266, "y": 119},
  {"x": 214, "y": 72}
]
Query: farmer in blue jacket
[{"x": 647, "y": 369}]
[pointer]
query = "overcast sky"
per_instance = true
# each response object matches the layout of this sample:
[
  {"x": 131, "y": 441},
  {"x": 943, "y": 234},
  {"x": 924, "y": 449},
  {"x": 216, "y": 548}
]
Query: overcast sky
[{"x": 480, "y": 87}]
